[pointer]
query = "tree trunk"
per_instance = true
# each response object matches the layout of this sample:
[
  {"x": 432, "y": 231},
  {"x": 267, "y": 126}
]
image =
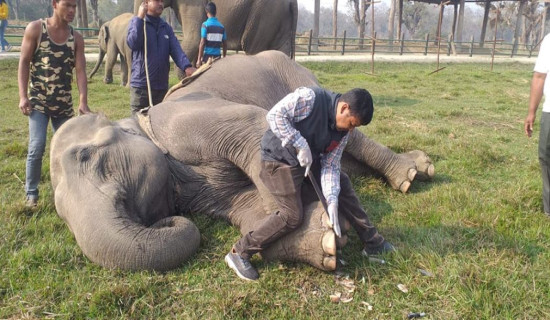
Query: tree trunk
[
  {"x": 400, "y": 23},
  {"x": 519, "y": 23},
  {"x": 15, "y": 8},
  {"x": 460, "y": 21},
  {"x": 543, "y": 21},
  {"x": 484, "y": 25},
  {"x": 391, "y": 21},
  {"x": 316, "y": 14},
  {"x": 95, "y": 16},
  {"x": 335, "y": 22}
]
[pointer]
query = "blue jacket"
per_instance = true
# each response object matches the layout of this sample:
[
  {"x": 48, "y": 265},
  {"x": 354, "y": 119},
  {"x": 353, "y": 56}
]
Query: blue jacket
[{"x": 161, "y": 44}]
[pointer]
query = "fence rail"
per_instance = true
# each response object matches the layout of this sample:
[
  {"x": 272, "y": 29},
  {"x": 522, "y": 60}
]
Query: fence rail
[{"x": 308, "y": 45}]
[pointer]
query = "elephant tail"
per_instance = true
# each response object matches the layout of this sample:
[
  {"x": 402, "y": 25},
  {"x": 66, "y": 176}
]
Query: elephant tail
[
  {"x": 294, "y": 17},
  {"x": 98, "y": 63}
]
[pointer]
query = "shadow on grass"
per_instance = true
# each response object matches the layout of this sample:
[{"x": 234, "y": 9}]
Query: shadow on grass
[{"x": 393, "y": 101}]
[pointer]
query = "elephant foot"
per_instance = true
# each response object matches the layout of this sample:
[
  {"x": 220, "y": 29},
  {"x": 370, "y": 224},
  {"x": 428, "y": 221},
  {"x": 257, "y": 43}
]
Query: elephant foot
[
  {"x": 314, "y": 242},
  {"x": 107, "y": 80},
  {"x": 424, "y": 166}
]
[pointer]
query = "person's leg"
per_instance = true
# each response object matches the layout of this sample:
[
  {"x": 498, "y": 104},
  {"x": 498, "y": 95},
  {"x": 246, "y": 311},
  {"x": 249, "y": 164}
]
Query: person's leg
[
  {"x": 285, "y": 184},
  {"x": 3, "y": 25},
  {"x": 544, "y": 159},
  {"x": 158, "y": 96},
  {"x": 139, "y": 99},
  {"x": 38, "y": 126},
  {"x": 350, "y": 207}
]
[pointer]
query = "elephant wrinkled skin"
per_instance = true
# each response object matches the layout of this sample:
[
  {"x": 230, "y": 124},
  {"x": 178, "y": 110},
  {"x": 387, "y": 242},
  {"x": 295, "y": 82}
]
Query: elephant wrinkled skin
[
  {"x": 252, "y": 26},
  {"x": 120, "y": 194}
]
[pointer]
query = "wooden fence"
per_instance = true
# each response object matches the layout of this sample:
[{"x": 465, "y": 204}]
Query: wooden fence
[{"x": 307, "y": 45}]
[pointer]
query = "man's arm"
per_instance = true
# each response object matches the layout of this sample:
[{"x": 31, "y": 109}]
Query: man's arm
[
  {"x": 201, "y": 50},
  {"x": 537, "y": 87},
  {"x": 330, "y": 171},
  {"x": 293, "y": 108},
  {"x": 134, "y": 39},
  {"x": 81, "y": 79},
  {"x": 28, "y": 47}
]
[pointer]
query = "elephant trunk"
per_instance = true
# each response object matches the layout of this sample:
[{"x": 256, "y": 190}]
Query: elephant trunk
[
  {"x": 98, "y": 63},
  {"x": 108, "y": 237}
]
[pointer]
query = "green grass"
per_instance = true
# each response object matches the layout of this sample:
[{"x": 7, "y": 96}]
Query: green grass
[{"x": 477, "y": 227}]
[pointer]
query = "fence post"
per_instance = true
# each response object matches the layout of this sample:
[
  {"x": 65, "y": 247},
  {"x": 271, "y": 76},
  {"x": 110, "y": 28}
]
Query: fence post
[
  {"x": 427, "y": 43},
  {"x": 344, "y": 43},
  {"x": 531, "y": 48},
  {"x": 472, "y": 46},
  {"x": 401, "y": 45},
  {"x": 514, "y": 46},
  {"x": 309, "y": 42},
  {"x": 449, "y": 45}
]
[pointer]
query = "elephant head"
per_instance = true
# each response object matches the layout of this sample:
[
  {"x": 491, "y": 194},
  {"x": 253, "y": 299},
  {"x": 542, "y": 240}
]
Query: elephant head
[{"x": 114, "y": 190}]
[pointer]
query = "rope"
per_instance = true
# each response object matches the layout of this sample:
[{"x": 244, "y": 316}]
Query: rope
[{"x": 146, "y": 66}]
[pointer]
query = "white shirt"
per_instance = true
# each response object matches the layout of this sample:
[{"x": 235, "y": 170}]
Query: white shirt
[{"x": 543, "y": 66}]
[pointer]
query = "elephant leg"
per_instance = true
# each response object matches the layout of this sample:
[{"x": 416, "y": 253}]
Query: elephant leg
[
  {"x": 375, "y": 158},
  {"x": 112, "y": 54},
  {"x": 313, "y": 242},
  {"x": 123, "y": 70}
]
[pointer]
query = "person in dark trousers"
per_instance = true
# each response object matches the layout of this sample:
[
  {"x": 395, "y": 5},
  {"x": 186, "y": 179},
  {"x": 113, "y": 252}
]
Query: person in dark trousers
[
  {"x": 213, "y": 37},
  {"x": 161, "y": 45},
  {"x": 308, "y": 131},
  {"x": 539, "y": 88}
]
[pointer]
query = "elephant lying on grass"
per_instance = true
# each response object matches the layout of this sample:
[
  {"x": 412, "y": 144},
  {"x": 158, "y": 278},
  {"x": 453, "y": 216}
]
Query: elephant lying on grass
[{"x": 121, "y": 195}]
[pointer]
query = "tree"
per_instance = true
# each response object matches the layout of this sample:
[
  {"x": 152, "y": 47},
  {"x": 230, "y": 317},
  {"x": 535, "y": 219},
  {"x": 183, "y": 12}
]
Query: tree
[
  {"x": 335, "y": 21},
  {"x": 95, "y": 15},
  {"x": 359, "y": 8},
  {"x": 316, "y": 13},
  {"x": 412, "y": 15}
]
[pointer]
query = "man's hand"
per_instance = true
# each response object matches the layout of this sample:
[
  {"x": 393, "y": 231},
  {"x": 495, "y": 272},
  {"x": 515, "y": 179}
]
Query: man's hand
[
  {"x": 83, "y": 109},
  {"x": 142, "y": 10},
  {"x": 305, "y": 158},
  {"x": 189, "y": 71},
  {"x": 529, "y": 120},
  {"x": 25, "y": 106},
  {"x": 333, "y": 216}
]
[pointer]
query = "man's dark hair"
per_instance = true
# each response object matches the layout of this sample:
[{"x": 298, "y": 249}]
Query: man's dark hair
[
  {"x": 360, "y": 104},
  {"x": 211, "y": 8}
]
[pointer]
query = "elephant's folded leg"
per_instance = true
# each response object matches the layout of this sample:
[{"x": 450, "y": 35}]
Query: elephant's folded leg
[
  {"x": 313, "y": 242},
  {"x": 424, "y": 166}
]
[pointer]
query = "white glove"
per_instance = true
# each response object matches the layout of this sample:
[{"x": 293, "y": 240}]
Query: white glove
[
  {"x": 305, "y": 158},
  {"x": 333, "y": 216}
]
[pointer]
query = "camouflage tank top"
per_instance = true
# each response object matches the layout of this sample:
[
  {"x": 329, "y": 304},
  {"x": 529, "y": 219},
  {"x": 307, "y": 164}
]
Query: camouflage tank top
[{"x": 51, "y": 76}]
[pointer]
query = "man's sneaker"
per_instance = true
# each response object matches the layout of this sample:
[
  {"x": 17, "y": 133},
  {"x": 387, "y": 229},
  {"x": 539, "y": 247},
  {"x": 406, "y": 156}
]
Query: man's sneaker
[
  {"x": 242, "y": 267},
  {"x": 31, "y": 203},
  {"x": 383, "y": 248},
  {"x": 9, "y": 47}
]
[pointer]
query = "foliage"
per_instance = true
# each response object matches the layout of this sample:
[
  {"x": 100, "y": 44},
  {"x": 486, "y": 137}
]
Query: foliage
[{"x": 477, "y": 227}]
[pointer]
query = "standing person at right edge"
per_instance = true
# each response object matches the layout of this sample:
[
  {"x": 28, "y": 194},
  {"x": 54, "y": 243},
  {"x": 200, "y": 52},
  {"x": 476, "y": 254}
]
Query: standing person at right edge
[
  {"x": 161, "y": 45},
  {"x": 540, "y": 87},
  {"x": 4, "y": 13}
]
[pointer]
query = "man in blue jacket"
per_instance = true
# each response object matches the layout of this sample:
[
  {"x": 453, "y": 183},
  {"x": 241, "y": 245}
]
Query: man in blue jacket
[{"x": 161, "y": 44}]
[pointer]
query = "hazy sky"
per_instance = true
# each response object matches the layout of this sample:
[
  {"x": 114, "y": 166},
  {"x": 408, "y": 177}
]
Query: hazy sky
[{"x": 324, "y": 3}]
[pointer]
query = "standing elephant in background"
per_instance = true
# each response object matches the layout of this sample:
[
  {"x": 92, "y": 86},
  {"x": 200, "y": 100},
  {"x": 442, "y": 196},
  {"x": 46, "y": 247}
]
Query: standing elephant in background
[
  {"x": 252, "y": 26},
  {"x": 121, "y": 186},
  {"x": 112, "y": 42}
]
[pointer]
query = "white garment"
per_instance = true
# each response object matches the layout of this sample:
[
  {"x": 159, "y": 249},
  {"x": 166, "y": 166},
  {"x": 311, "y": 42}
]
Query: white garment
[{"x": 543, "y": 66}]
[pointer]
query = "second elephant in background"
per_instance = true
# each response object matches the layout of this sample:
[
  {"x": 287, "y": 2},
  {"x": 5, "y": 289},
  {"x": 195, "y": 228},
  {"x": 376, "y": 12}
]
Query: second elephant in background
[{"x": 112, "y": 42}]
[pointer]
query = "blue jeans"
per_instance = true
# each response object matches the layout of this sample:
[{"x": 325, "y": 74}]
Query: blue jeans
[
  {"x": 3, "y": 25},
  {"x": 38, "y": 129}
]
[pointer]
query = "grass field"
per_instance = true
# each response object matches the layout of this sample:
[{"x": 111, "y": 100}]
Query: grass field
[{"x": 477, "y": 228}]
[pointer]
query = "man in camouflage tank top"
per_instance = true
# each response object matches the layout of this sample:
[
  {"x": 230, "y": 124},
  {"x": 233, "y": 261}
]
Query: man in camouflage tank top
[{"x": 50, "y": 50}]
